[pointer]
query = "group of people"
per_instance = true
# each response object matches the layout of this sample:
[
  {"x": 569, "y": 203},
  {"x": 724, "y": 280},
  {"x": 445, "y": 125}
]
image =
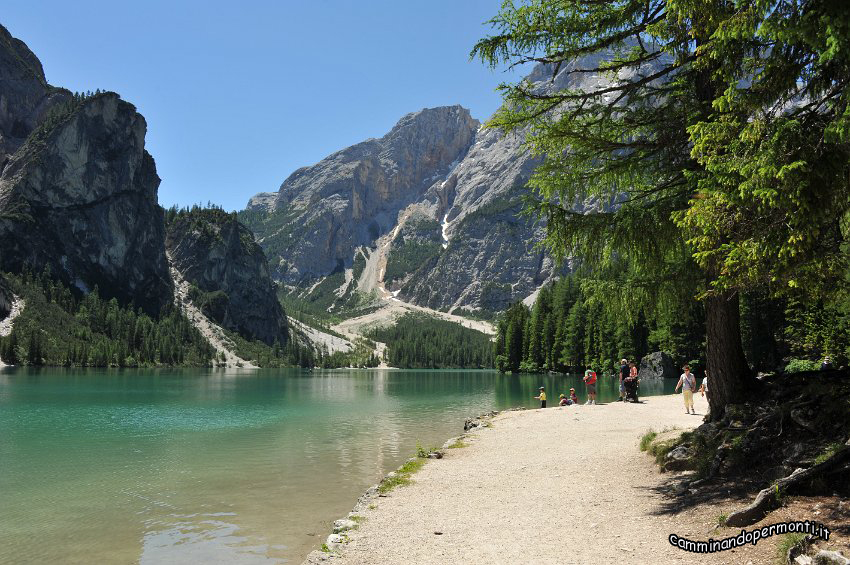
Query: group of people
[{"x": 629, "y": 375}]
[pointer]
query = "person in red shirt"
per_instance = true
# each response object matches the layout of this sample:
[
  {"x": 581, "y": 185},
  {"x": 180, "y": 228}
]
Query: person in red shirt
[{"x": 590, "y": 382}]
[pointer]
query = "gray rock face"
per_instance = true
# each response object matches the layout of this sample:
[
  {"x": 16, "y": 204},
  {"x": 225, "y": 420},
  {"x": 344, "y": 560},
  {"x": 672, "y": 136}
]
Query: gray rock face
[
  {"x": 354, "y": 196},
  {"x": 212, "y": 250},
  {"x": 80, "y": 197},
  {"x": 262, "y": 201},
  {"x": 657, "y": 365},
  {"x": 24, "y": 94},
  {"x": 490, "y": 262}
]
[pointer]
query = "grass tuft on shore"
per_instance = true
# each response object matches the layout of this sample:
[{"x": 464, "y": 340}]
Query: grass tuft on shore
[
  {"x": 401, "y": 477},
  {"x": 647, "y": 439},
  {"x": 458, "y": 444}
]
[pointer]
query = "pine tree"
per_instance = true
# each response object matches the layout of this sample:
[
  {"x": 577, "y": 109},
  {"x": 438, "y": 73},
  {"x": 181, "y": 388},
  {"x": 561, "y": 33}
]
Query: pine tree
[{"x": 720, "y": 185}]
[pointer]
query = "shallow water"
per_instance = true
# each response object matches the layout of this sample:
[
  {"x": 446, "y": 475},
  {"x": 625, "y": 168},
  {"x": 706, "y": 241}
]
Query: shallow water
[{"x": 204, "y": 466}]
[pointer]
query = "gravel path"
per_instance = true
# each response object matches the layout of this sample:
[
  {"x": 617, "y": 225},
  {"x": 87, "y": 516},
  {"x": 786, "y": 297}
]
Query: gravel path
[{"x": 560, "y": 485}]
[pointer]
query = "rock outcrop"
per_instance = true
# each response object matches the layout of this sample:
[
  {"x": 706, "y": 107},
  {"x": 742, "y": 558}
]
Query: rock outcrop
[
  {"x": 657, "y": 365},
  {"x": 78, "y": 191},
  {"x": 324, "y": 212},
  {"x": 80, "y": 197},
  {"x": 217, "y": 254}
]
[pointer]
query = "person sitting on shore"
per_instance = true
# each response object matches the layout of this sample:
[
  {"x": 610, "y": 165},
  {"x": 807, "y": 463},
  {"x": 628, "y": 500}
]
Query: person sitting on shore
[
  {"x": 541, "y": 397},
  {"x": 624, "y": 374},
  {"x": 573, "y": 397},
  {"x": 564, "y": 401}
]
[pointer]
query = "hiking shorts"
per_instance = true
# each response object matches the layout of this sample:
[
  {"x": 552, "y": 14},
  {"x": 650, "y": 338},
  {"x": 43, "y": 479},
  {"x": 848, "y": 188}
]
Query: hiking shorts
[{"x": 591, "y": 388}]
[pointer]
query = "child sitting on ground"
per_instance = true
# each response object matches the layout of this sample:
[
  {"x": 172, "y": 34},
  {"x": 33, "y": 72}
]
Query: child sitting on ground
[
  {"x": 573, "y": 397},
  {"x": 564, "y": 401}
]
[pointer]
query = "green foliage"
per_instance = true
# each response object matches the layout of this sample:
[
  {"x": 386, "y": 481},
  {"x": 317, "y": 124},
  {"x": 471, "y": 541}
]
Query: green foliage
[
  {"x": 800, "y": 365},
  {"x": 213, "y": 304},
  {"x": 57, "y": 115},
  {"x": 290, "y": 354},
  {"x": 276, "y": 231},
  {"x": 419, "y": 341},
  {"x": 362, "y": 356},
  {"x": 646, "y": 439},
  {"x": 207, "y": 223},
  {"x": 828, "y": 452},
  {"x": 786, "y": 543},
  {"x": 567, "y": 330},
  {"x": 816, "y": 328},
  {"x": 59, "y": 328},
  {"x": 407, "y": 256},
  {"x": 401, "y": 477},
  {"x": 716, "y": 159}
]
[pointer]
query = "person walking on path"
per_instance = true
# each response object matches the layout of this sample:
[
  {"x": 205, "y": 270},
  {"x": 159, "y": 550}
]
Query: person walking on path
[
  {"x": 590, "y": 383},
  {"x": 688, "y": 383},
  {"x": 624, "y": 374},
  {"x": 541, "y": 397}
]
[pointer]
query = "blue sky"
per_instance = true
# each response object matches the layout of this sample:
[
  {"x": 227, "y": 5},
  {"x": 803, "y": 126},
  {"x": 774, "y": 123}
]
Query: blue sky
[{"x": 239, "y": 95}]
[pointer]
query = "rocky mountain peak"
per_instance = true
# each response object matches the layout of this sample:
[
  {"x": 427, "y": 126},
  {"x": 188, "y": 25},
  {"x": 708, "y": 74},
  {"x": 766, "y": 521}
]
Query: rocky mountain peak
[
  {"x": 325, "y": 211},
  {"x": 24, "y": 93}
]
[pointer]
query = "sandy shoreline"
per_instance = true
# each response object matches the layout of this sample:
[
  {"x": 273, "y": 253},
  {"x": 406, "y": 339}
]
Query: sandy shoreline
[{"x": 561, "y": 485}]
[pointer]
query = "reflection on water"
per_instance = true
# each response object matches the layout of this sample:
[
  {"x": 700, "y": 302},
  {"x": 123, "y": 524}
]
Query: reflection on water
[{"x": 218, "y": 467}]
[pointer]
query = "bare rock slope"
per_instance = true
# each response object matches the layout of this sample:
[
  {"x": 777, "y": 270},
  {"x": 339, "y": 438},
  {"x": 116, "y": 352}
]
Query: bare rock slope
[{"x": 213, "y": 251}]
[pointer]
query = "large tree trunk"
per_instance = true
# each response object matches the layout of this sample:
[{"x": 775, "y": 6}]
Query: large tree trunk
[{"x": 730, "y": 379}]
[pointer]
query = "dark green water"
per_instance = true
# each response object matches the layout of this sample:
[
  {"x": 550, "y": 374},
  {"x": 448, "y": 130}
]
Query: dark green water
[{"x": 218, "y": 467}]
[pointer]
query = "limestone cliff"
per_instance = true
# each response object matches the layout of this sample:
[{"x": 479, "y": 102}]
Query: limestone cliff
[
  {"x": 80, "y": 197},
  {"x": 322, "y": 213},
  {"x": 217, "y": 254}
]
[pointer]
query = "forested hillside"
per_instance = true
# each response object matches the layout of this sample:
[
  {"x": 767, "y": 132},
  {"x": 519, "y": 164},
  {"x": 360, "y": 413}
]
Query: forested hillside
[
  {"x": 418, "y": 341},
  {"x": 566, "y": 331},
  {"x": 59, "y": 328}
]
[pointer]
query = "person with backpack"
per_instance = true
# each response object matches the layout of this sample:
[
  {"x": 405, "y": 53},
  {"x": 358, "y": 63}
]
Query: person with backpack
[{"x": 590, "y": 383}]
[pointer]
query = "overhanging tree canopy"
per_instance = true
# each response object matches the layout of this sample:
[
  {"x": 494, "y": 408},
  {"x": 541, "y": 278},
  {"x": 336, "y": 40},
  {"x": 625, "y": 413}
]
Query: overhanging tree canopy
[{"x": 721, "y": 132}]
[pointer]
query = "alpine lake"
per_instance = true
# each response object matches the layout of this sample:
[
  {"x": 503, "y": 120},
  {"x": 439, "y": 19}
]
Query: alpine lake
[{"x": 214, "y": 466}]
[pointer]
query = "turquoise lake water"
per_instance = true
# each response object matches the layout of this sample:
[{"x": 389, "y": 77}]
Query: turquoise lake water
[{"x": 205, "y": 466}]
